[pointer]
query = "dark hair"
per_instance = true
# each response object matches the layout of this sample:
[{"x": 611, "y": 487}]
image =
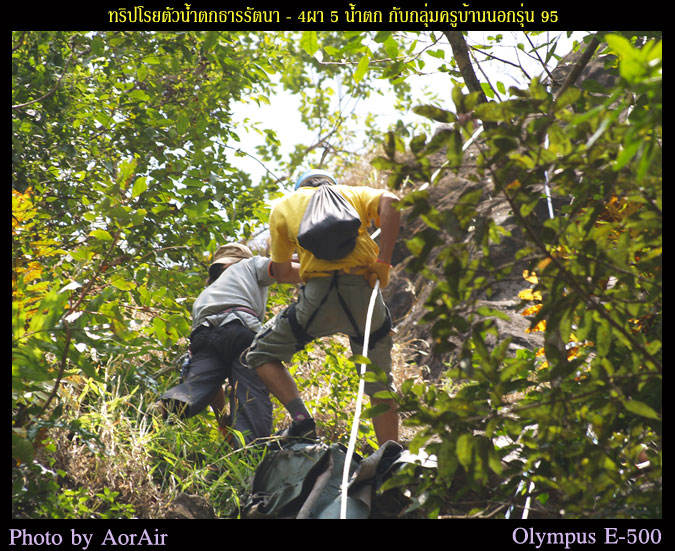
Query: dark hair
[
  {"x": 316, "y": 181},
  {"x": 215, "y": 270}
]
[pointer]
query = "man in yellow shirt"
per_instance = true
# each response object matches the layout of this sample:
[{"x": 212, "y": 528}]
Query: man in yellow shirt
[{"x": 334, "y": 298}]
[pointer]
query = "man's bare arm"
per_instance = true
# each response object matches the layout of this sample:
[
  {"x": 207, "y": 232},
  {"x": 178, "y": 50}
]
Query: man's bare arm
[
  {"x": 285, "y": 272},
  {"x": 390, "y": 223}
]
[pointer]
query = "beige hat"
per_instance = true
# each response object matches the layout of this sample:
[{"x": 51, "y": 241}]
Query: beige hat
[{"x": 231, "y": 253}]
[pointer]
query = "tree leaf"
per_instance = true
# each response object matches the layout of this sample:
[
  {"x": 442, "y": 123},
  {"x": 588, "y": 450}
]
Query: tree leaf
[
  {"x": 447, "y": 460},
  {"x": 309, "y": 42},
  {"x": 640, "y": 408},
  {"x": 465, "y": 450},
  {"x": 375, "y": 411},
  {"x": 454, "y": 153},
  {"x": 22, "y": 449},
  {"x": 362, "y": 68},
  {"x": 486, "y": 311},
  {"x": 603, "y": 337},
  {"x": 435, "y": 113},
  {"x": 211, "y": 40},
  {"x": 103, "y": 235},
  {"x": 119, "y": 282},
  {"x": 568, "y": 97},
  {"x": 140, "y": 185}
]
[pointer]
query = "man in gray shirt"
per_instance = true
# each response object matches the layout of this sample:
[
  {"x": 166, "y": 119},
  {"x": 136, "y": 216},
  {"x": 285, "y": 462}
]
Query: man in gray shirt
[{"x": 225, "y": 317}]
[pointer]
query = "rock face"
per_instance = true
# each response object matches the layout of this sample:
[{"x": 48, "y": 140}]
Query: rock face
[
  {"x": 189, "y": 507},
  {"x": 406, "y": 293}
]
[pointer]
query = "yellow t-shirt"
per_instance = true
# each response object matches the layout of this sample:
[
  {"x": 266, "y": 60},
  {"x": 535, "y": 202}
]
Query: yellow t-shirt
[{"x": 285, "y": 223}]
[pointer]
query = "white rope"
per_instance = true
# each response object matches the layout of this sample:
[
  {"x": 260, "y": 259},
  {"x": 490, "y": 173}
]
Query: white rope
[
  {"x": 547, "y": 189},
  {"x": 472, "y": 138},
  {"x": 359, "y": 399},
  {"x": 528, "y": 500}
]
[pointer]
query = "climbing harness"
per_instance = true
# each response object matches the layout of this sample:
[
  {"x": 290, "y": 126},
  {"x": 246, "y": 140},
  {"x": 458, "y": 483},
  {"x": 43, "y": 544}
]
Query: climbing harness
[
  {"x": 359, "y": 399},
  {"x": 236, "y": 309},
  {"x": 302, "y": 337}
]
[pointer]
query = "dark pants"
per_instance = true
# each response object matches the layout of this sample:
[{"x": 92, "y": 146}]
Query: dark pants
[{"x": 215, "y": 357}]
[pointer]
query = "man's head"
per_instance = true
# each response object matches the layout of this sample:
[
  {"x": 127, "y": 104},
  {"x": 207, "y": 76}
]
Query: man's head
[
  {"x": 314, "y": 178},
  {"x": 227, "y": 255}
]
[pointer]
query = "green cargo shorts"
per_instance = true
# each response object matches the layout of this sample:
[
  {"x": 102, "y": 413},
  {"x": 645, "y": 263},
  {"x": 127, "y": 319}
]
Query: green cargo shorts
[{"x": 276, "y": 341}]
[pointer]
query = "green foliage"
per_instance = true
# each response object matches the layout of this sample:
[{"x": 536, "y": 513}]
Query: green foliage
[
  {"x": 75, "y": 504},
  {"x": 190, "y": 457},
  {"x": 135, "y": 466},
  {"x": 44, "y": 497},
  {"x": 121, "y": 191},
  {"x": 580, "y": 418}
]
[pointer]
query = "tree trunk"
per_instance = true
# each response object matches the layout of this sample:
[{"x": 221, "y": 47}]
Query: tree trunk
[{"x": 460, "y": 51}]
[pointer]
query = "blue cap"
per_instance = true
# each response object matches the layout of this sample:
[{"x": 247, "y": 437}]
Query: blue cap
[{"x": 311, "y": 173}]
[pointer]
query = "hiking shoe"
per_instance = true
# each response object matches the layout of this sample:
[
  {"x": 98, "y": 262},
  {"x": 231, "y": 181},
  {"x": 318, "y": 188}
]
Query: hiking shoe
[
  {"x": 302, "y": 429},
  {"x": 298, "y": 431}
]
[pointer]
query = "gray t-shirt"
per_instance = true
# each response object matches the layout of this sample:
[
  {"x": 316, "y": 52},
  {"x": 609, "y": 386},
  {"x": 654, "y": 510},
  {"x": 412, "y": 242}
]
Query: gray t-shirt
[{"x": 242, "y": 284}]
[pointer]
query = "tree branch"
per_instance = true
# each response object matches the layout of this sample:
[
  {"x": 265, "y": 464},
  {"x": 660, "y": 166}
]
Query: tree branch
[
  {"x": 536, "y": 53},
  {"x": 460, "y": 51},
  {"x": 579, "y": 66},
  {"x": 505, "y": 61},
  {"x": 62, "y": 368}
]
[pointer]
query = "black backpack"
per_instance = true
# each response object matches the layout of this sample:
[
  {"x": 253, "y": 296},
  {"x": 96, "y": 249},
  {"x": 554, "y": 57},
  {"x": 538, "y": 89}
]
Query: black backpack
[{"x": 330, "y": 225}]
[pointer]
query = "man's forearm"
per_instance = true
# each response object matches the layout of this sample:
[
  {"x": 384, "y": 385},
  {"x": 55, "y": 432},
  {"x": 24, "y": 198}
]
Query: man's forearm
[
  {"x": 285, "y": 272},
  {"x": 390, "y": 223}
]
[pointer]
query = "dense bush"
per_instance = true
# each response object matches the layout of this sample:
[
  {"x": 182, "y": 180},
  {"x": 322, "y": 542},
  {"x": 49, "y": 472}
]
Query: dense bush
[{"x": 580, "y": 413}]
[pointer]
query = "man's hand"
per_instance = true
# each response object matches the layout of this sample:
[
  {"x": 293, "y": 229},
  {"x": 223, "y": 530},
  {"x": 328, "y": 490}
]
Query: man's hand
[{"x": 378, "y": 270}]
